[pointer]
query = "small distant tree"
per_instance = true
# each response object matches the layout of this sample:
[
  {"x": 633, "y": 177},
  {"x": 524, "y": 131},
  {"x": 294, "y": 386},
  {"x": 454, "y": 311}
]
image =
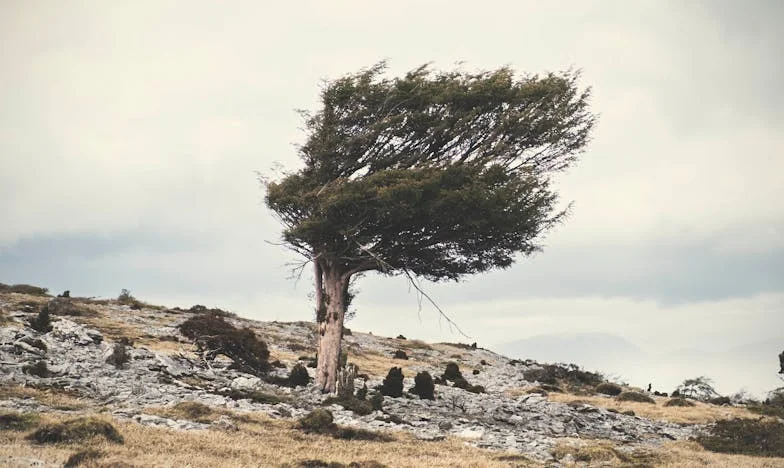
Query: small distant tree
[
  {"x": 125, "y": 297},
  {"x": 700, "y": 388},
  {"x": 429, "y": 175}
]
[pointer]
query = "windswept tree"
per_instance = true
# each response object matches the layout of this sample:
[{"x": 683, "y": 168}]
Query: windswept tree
[{"x": 432, "y": 175}]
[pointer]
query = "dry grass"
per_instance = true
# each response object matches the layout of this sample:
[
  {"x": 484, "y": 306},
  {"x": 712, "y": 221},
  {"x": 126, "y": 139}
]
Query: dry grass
[
  {"x": 188, "y": 410},
  {"x": 165, "y": 346},
  {"x": 686, "y": 454},
  {"x": 112, "y": 329},
  {"x": 604, "y": 453},
  {"x": 259, "y": 442},
  {"x": 678, "y": 454},
  {"x": 377, "y": 364},
  {"x": 54, "y": 398},
  {"x": 700, "y": 414}
]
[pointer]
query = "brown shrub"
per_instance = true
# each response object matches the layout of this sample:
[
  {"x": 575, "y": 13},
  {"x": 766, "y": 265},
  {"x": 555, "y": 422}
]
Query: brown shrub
[
  {"x": 757, "y": 437},
  {"x": 214, "y": 336}
]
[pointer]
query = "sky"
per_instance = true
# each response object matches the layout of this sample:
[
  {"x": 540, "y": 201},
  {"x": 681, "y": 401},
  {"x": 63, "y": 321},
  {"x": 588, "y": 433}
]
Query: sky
[{"x": 131, "y": 134}]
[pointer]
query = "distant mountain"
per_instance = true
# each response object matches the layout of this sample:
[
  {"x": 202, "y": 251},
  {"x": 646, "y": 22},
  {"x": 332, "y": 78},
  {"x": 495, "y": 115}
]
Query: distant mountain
[
  {"x": 590, "y": 350},
  {"x": 752, "y": 366}
]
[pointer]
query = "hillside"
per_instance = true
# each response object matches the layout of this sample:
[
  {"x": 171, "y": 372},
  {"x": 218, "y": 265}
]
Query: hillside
[{"x": 148, "y": 398}]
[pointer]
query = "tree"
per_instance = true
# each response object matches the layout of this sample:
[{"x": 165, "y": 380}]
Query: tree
[
  {"x": 699, "y": 388},
  {"x": 433, "y": 175}
]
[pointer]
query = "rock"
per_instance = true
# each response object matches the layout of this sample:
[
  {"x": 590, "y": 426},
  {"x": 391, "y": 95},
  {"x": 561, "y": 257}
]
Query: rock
[
  {"x": 24, "y": 347},
  {"x": 67, "y": 330},
  {"x": 431, "y": 436},
  {"x": 151, "y": 420},
  {"x": 529, "y": 424},
  {"x": 471, "y": 433},
  {"x": 245, "y": 383},
  {"x": 225, "y": 423}
]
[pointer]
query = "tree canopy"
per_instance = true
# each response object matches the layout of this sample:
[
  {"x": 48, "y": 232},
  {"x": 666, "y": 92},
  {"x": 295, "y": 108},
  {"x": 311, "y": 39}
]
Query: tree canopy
[{"x": 437, "y": 174}]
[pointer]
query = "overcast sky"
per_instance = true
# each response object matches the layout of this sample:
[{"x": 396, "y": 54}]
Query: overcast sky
[{"x": 130, "y": 133}]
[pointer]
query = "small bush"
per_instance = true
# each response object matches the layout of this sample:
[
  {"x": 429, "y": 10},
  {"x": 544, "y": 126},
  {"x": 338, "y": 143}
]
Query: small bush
[
  {"x": 38, "y": 369},
  {"x": 24, "y": 289},
  {"x": 476, "y": 389},
  {"x": 350, "y": 433},
  {"x": 42, "y": 323},
  {"x": 377, "y": 401},
  {"x": 353, "y": 404},
  {"x": 319, "y": 421},
  {"x": 192, "y": 411},
  {"x": 460, "y": 382},
  {"x": 63, "y": 306},
  {"x": 475, "y": 372},
  {"x": 764, "y": 438},
  {"x": 362, "y": 392},
  {"x": 452, "y": 372},
  {"x": 679, "y": 402},
  {"x": 607, "y": 388},
  {"x": 720, "y": 401},
  {"x": 461, "y": 345},
  {"x": 393, "y": 384},
  {"x": 119, "y": 356},
  {"x": 76, "y": 430},
  {"x": 564, "y": 374},
  {"x": 125, "y": 297},
  {"x": 203, "y": 310},
  {"x": 347, "y": 331},
  {"x": 18, "y": 421},
  {"x": 399, "y": 354},
  {"x": 214, "y": 336},
  {"x": 319, "y": 464},
  {"x": 393, "y": 418},
  {"x": 401, "y": 337},
  {"x": 81, "y": 457},
  {"x": 423, "y": 386},
  {"x": 253, "y": 395},
  {"x": 551, "y": 388},
  {"x": 635, "y": 396},
  {"x": 299, "y": 376}
]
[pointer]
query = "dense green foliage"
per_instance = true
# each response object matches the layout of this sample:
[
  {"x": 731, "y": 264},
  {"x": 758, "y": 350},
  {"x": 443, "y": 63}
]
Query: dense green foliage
[{"x": 437, "y": 174}]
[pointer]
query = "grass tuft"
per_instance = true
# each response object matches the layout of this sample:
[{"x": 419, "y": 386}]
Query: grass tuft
[
  {"x": 635, "y": 396},
  {"x": 18, "y": 421},
  {"x": 76, "y": 430}
]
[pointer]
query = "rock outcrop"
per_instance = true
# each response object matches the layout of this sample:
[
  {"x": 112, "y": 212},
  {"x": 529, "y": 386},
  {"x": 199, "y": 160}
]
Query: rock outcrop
[{"x": 75, "y": 357}]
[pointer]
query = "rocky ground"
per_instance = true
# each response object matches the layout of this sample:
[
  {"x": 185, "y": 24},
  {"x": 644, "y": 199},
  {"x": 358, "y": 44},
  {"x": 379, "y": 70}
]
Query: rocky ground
[{"x": 163, "y": 369}]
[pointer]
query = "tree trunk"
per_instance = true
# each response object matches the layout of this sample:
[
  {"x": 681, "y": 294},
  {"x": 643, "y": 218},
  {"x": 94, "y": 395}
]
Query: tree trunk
[{"x": 330, "y": 315}]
